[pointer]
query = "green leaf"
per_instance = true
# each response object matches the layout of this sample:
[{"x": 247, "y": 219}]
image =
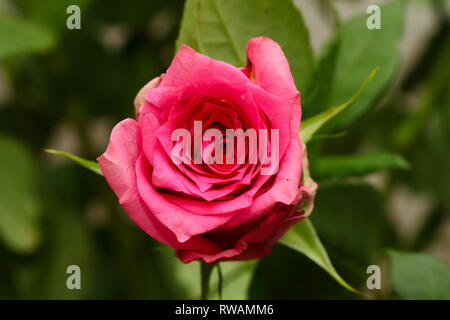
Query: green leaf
[
  {"x": 356, "y": 165},
  {"x": 299, "y": 279},
  {"x": 318, "y": 96},
  {"x": 88, "y": 164},
  {"x": 350, "y": 220},
  {"x": 18, "y": 36},
  {"x": 362, "y": 50},
  {"x": 312, "y": 125},
  {"x": 419, "y": 276},
  {"x": 303, "y": 238},
  {"x": 188, "y": 33},
  {"x": 328, "y": 135},
  {"x": 19, "y": 205},
  {"x": 319, "y": 93},
  {"x": 221, "y": 29}
]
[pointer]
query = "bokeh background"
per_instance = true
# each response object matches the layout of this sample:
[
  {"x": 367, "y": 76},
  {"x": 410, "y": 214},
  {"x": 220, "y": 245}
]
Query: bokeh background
[{"x": 65, "y": 89}]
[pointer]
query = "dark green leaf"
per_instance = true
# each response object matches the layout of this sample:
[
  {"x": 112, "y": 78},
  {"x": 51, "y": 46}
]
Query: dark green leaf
[
  {"x": 300, "y": 278},
  {"x": 349, "y": 219},
  {"x": 329, "y": 135},
  {"x": 360, "y": 52},
  {"x": 312, "y": 125},
  {"x": 319, "y": 94},
  {"x": 303, "y": 238},
  {"x": 356, "y": 165},
  {"x": 419, "y": 276}
]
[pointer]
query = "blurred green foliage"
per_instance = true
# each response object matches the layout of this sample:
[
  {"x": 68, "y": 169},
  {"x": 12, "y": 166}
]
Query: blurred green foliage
[
  {"x": 18, "y": 194},
  {"x": 54, "y": 214},
  {"x": 428, "y": 279}
]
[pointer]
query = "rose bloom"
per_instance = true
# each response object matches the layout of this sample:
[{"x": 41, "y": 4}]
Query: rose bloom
[{"x": 213, "y": 212}]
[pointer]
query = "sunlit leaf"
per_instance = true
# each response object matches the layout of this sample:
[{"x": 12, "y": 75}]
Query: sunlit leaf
[{"x": 188, "y": 29}]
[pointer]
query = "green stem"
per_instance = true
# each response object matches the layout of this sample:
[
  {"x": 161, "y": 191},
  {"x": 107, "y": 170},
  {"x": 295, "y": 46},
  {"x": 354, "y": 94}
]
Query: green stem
[
  {"x": 205, "y": 269},
  {"x": 219, "y": 270}
]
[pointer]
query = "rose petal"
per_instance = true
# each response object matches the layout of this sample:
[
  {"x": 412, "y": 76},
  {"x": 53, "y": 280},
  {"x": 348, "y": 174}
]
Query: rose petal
[
  {"x": 268, "y": 67},
  {"x": 117, "y": 164}
]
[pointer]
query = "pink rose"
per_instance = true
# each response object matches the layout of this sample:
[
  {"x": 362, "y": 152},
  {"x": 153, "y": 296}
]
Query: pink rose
[{"x": 212, "y": 211}]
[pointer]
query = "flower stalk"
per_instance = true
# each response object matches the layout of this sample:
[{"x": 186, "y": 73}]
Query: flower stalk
[{"x": 205, "y": 269}]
